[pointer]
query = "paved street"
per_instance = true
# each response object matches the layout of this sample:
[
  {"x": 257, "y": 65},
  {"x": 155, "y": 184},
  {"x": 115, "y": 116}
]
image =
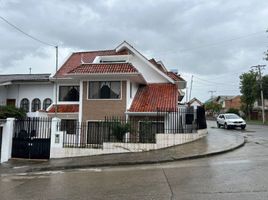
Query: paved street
[{"x": 240, "y": 174}]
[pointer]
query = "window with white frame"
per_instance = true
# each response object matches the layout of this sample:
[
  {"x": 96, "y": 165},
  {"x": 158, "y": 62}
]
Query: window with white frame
[
  {"x": 104, "y": 90},
  {"x": 68, "y": 93},
  {"x": 36, "y": 105},
  {"x": 46, "y": 103},
  {"x": 25, "y": 104}
]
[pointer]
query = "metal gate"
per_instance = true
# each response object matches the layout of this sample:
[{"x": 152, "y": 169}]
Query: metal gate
[
  {"x": 31, "y": 138},
  {"x": 1, "y": 132}
]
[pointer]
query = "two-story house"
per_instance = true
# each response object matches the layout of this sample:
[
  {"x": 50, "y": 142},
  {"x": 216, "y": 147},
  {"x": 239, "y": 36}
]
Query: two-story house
[{"x": 92, "y": 85}]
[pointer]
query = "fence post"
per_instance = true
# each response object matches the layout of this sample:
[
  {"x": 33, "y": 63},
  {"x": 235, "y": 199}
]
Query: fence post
[
  {"x": 7, "y": 136},
  {"x": 56, "y": 136}
]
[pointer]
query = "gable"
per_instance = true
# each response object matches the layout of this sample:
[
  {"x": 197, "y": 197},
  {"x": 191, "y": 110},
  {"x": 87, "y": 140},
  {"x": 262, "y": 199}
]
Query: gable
[{"x": 151, "y": 73}]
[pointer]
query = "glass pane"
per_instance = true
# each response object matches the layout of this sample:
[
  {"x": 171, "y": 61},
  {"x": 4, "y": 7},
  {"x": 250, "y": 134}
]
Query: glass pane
[
  {"x": 93, "y": 90},
  {"x": 105, "y": 90},
  {"x": 69, "y": 93},
  {"x": 115, "y": 90}
]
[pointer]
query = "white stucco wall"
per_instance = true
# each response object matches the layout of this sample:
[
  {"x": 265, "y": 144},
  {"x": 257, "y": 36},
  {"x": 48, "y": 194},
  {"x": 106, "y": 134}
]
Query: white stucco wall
[
  {"x": 135, "y": 88},
  {"x": 3, "y": 94},
  {"x": 29, "y": 91},
  {"x": 149, "y": 74}
]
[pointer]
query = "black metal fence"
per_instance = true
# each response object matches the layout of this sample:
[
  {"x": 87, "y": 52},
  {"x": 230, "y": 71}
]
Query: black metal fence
[
  {"x": 31, "y": 138},
  {"x": 138, "y": 129}
]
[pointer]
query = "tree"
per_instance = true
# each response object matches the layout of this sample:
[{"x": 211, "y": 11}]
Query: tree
[
  {"x": 248, "y": 89},
  {"x": 213, "y": 107},
  {"x": 264, "y": 86}
]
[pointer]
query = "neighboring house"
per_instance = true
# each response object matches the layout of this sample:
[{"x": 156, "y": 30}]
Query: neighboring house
[
  {"x": 233, "y": 102},
  {"x": 195, "y": 102},
  {"x": 257, "y": 110},
  {"x": 227, "y": 102},
  {"x": 92, "y": 85},
  {"x": 32, "y": 92}
]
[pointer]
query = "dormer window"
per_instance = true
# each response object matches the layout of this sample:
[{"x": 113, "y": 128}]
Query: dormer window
[{"x": 112, "y": 61}]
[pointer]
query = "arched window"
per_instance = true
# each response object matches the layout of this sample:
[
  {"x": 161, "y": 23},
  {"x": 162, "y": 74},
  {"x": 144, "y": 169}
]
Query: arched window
[
  {"x": 46, "y": 103},
  {"x": 24, "y": 104},
  {"x": 36, "y": 105}
]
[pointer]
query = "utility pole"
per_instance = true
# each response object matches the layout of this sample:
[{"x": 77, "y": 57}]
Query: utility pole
[
  {"x": 211, "y": 92},
  {"x": 56, "y": 83},
  {"x": 30, "y": 70},
  {"x": 191, "y": 87},
  {"x": 259, "y": 68}
]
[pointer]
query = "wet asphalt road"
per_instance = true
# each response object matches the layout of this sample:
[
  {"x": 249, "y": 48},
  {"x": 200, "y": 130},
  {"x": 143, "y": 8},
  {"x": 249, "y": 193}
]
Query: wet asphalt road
[{"x": 241, "y": 174}]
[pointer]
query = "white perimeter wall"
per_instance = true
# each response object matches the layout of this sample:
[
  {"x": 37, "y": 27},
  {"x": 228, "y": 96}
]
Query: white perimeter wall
[{"x": 162, "y": 141}]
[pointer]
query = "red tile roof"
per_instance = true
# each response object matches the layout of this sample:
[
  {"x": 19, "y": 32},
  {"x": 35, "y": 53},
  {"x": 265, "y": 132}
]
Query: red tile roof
[
  {"x": 65, "y": 108},
  {"x": 175, "y": 76},
  {"x": 87, "y": 57},
  {"x": 157, "y": 65},
  {"x": 155, "y": 97},
  {"x": 113, "y": 68}
]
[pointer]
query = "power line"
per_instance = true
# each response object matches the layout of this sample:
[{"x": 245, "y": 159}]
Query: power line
[
  {"x": 224, "y": 41},
  {"x": 28, "y": 35},
  {"x": 212, "y": 82}
]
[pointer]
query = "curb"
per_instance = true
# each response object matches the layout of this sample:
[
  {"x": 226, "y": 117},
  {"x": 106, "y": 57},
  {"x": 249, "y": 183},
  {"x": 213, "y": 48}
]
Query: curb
[{"x": 127, "y": 163}]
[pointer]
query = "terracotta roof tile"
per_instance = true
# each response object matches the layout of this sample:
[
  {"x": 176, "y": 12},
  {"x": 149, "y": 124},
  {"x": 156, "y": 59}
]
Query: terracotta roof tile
[
  {"x": 88, "y": 57},
  {"x": 111, "y": 68},
  {"x": 174, "y": 76},
  {"x": 155, "y": 97},
  {"x": 65, "y": 108},
  {"x": 157, "y": 65}
]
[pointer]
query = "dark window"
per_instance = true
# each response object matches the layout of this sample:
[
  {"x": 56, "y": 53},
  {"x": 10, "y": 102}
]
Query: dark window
[
  {"x": 46, "y": 103},
  {"x": 130, "y": 90},
  {"x": 25, "y": 104},
  {"x": 68, "y": 125},
  {"x": 36, "y": 105},
  {"x": 69, "y": 93},
  {"x": 104, "y": 90}
]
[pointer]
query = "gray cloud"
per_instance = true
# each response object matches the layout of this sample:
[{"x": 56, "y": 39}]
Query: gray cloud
[{"x": 176, "y": 32}]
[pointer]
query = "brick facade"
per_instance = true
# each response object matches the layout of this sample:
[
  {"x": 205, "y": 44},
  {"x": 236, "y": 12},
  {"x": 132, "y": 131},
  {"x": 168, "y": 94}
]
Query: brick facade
[
  {"x": 233, "y": 103},
  {"x": 98, "y": 109}
]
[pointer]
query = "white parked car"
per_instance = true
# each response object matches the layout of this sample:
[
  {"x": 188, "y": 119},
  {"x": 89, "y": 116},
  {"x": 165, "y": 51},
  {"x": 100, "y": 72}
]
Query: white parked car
[{"x": 230, "y": 120}]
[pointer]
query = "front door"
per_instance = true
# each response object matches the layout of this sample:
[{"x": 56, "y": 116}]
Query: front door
[{"x": 11, "y": 102}]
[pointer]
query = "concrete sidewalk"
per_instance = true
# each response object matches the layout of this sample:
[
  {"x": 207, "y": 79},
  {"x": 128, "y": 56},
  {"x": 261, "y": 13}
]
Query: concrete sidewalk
[{"x": 216, "y": 142}]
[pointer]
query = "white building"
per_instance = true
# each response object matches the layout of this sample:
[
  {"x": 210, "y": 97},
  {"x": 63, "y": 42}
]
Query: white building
[{"x": 32, "y": 92}]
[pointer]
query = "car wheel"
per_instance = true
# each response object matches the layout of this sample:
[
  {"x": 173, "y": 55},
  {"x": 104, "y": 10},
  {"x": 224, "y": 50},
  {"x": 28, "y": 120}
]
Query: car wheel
[
  {"x": 226, "y": 126},
  {"x": 243, "y": 127},
  {"x": 218, "y": 125}
]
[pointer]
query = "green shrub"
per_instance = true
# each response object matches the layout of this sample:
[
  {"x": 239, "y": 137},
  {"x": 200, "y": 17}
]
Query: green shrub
[
  {"x": 11, "y": 111},
  {"x": 119, "y": 129}
]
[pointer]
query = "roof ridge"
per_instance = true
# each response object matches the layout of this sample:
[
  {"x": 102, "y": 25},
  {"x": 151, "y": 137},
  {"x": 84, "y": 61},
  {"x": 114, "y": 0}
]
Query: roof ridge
[
  {"x": 24, "y": 74},
  {"x": 79, "y": 52}
]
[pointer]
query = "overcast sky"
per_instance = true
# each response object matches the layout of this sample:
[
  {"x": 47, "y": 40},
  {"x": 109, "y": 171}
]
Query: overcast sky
[{"x": 213, "y": 40}]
